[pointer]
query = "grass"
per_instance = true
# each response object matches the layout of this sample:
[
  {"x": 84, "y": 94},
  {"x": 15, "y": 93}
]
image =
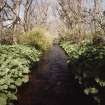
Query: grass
[{"x": 39, "y": 37}]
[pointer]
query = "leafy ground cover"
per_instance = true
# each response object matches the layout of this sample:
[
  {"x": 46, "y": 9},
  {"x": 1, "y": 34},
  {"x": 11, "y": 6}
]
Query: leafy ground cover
[
  {"x": 15, "y": 63},
  {"x": 87, "y": 60}
]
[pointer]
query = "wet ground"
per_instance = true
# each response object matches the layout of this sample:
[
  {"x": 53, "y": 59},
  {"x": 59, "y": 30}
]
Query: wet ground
[{"x": 52, "y": 83}]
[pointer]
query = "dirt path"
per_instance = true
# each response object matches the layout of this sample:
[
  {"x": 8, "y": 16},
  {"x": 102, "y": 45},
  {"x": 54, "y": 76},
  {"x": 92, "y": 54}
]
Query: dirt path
[{"x": 52, "y": 83}]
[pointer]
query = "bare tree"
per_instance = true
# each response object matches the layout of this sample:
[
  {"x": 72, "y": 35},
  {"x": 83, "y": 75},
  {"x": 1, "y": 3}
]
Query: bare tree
[
  {"x": 16, "y": 18},
  {"x": 80, "y": 17},
  {"x": 9, "y": 16},
  {"x": 35, "y": 13},
  {"x": 1, "y": 19},
  {"x": 27, "y": 13},
  {"x": 71, "y": 12},
  {"x": 97, "y": 4}
]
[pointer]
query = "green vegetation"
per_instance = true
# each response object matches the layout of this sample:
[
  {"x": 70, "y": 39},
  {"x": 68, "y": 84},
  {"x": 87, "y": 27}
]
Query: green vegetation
[
  {"x": 87, "y": 60},
  {"x": 17, "y": 60},
  {"x": 15, "y": 63},
  {"x": 39, "y": 37}
]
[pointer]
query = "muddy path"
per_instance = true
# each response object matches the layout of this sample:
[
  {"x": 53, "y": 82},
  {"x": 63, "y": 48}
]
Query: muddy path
[{"x": 52, "y": 83}]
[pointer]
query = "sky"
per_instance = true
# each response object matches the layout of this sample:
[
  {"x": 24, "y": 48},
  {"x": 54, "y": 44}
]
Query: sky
[
  {"x": 88, "y": 4},
  {"x": 103, "y": 4}
]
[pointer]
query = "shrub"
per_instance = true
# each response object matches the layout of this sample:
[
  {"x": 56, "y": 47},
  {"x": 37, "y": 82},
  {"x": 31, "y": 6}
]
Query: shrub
[
  {"x": 6, "y": 37},
  {"x": 39, "y": 38},
  {"x": 74, "y": 34},
  {"x": 87, "y": 60},
  {"x": 15, "y": 61}
]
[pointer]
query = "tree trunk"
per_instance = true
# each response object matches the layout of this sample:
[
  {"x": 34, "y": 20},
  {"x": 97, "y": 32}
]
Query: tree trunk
[
  {"x": 16, "y": 19},
  {"x": 1, "y": 19}
]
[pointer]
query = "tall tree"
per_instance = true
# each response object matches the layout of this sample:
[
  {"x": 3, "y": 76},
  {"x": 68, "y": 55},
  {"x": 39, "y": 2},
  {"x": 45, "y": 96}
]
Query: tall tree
[
  {"x": 97, "y": 4},
  {"x": 27, "y": 13},
  {"x": 1, "y": 19},
  {"x": 16, "y": 18}
]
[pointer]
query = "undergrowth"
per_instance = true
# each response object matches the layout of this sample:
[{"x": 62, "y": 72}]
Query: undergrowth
[
  {"x": 87, "y": 60},
  {"x": 15, "y": 63}
]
